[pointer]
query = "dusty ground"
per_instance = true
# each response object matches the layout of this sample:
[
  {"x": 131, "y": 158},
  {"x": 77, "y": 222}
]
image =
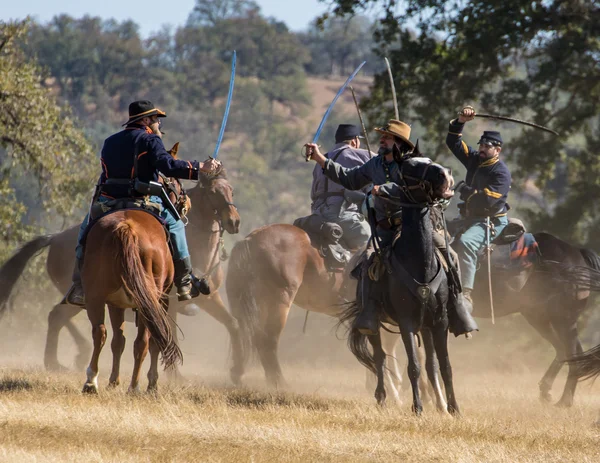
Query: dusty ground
[{"x": 327, "y": 416}]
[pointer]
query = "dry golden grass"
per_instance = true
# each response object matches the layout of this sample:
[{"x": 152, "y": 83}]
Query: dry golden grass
[
  {"x": 327, "y": 416},
  {"x": 45, "y": 418}
]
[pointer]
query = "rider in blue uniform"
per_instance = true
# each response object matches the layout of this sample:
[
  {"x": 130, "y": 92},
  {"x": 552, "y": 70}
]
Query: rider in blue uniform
[
  {"x": 142, "y": 139},
  {"x": 484, "y": 193}
]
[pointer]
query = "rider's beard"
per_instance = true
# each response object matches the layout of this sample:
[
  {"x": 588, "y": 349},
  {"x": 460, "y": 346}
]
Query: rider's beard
[
  {"x": 156, "y": 129},
  {"x": 384, "y": 150}
]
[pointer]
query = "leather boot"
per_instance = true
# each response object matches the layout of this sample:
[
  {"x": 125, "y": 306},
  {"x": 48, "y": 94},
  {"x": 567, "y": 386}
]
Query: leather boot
[
  {"x": 459, "y": 314},
  {"x": 188, "y": 286},
  {"x": 75, "y": 295},
  {"x": 367, "y": 322}
]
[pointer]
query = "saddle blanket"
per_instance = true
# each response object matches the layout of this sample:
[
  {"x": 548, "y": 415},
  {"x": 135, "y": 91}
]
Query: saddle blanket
[{"x": 520, "y": 254}]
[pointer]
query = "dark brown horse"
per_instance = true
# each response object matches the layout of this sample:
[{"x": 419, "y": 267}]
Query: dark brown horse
[
  {"x": 212, "y": 213},
  {"x": 550, "y": 301},
  {"x": 128, "y": 265}
]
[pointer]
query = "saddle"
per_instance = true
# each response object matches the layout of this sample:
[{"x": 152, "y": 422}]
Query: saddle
[
  {"x": 513, "y": 254},
  {"x": 102, "y": 209},
  {"x": 325, "y": 237}
]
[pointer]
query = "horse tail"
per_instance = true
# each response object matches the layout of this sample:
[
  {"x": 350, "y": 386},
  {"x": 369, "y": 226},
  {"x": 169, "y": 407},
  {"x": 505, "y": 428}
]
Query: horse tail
[
  {"x": 357, "y": 342},
  {"x": 592, "y": 259},
  {"x": 240, "y": 293},
  {"x": 146, "y": 296},
  {"x": 14, "y": 267},
  {"x": 587, "y": 364}
]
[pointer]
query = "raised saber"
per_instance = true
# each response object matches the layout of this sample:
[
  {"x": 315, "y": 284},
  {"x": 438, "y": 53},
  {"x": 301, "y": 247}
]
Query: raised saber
[
  {"x": 362, "y": 123},
  {"x": 389, "y": 69},
  {"x": 335, "y": 98},
  {"x": 488, "y": 231},
  {"x": 518, "y": 121},
  {"x": 227, "y": 106}
]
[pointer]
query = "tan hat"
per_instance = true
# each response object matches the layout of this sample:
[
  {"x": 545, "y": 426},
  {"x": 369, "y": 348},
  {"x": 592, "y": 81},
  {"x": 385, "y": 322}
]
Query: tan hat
[{"x": 397, "y": 129}]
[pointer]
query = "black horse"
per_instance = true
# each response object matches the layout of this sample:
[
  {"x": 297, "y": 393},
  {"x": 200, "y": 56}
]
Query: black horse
[
  {"x": 417, "y": 288},
  {"x": 551, "y": 295}
]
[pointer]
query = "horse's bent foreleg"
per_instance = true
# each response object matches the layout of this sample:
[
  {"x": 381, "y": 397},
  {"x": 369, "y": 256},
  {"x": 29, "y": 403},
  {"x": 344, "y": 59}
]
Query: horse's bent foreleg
[
  {"x": 60, "y": 316},
  {"x": 567, "y": 331},
  {"x": 544, "y": 328},
  {"x": 95, "y": 311},
  {"x": 117, "y": 319}
]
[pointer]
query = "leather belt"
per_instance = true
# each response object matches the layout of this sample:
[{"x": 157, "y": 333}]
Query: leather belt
[{"x": 390, "y": 223}]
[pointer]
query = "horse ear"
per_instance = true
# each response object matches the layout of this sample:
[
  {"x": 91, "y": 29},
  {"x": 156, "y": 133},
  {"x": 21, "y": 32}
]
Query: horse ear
[
  {"x": 416, "y": 152},
  {"x": 173, "y": 151}
]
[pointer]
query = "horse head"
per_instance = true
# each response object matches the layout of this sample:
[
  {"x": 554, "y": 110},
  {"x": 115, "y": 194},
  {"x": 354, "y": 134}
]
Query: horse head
[
  {"x": 425, "y": 181},
  {"x": 215, "y": 194}
]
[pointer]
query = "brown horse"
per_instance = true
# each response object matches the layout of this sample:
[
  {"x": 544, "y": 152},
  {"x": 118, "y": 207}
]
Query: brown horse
[
  {"x": 213, "y": 212},
  {"x": 550, "y": 301},
  {"x": 273, "y": 267},
  {"x": 128, "y": 265}
]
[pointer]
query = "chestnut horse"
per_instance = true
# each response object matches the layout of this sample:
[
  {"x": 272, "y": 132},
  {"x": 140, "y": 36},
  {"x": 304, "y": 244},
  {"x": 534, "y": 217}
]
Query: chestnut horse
[
  {"x": 273, "y": 267},
  {"x": 212, "y": 213},
  {"x": 128, "y": 265}
]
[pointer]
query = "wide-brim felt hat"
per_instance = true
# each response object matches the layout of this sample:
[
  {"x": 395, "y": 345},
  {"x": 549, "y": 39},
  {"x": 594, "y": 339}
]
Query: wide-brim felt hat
[
  {"x": 397, "y": 129},
  {"x": 143, "y": 108}
]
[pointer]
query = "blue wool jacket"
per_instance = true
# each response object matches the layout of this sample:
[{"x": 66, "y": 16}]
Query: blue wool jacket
[
  {"x": 118, "y": 160},
  {"x": 488, "y": 181}
]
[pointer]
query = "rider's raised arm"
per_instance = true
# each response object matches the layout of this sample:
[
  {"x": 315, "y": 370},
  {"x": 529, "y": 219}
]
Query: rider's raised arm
[
  {"x": 351, "y": 179},
  {"x": 492, "y": 199},
  {"x": 457, "y": 145},
  {"x": 160, "y": 159}
]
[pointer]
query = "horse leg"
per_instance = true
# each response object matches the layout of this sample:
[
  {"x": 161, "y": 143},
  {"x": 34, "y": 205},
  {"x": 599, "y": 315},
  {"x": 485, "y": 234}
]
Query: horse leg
[
  {"x": 267, "y": 340},
  {"x": 431, "y": 365},
  {"x": 215, "y": 307},
  {"x": 389, "y": 342},
  {"x": 414, "y": 368},
  {"x": 425, "y": 387},
  {"x": 379, "y": 357},
  {"x": 140, "y": 350},
  {"x": 117, "y": 345},
  {"x": 174, "y": 374},
  {"x": 60, "y": 316},
  {"x": 153, "y": 371},
  {"x": 95, "y": 311},
  {"x": 544, "y": 328},
  {"x": 567, "y": 331},
  {"x": 440, "y": 343}
]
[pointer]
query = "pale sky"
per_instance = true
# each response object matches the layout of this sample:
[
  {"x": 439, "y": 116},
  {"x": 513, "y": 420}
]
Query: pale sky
[{"x": 150, "y": 15}]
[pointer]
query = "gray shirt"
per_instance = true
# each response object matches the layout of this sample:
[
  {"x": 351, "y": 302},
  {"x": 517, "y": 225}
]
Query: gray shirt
[
  {"x": 345, "y": 156},
  {"x": 374, "y": 172}
]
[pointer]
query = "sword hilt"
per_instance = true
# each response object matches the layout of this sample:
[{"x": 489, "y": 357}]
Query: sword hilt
[{"x": 306, "y": 154}]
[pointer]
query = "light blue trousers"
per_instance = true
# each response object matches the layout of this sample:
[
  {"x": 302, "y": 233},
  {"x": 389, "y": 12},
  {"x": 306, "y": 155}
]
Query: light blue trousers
[{"x": 470, "y": 243}]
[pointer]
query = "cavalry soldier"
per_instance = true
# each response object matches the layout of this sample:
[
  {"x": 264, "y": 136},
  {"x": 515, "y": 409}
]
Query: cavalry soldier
[
  {"x": 484, "y": 193},
  {"x": 332, "y": 201},
  {"x": 383, "y": 172},
  {"x": 138, "y": 152}
]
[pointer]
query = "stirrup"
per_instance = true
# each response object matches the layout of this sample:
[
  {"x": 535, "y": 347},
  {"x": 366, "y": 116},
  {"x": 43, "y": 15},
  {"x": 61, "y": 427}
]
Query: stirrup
[{"x": 70, "y": 300}]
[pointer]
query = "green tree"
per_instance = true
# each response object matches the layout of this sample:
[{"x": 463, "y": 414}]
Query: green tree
[
  {"x": 39, "y": 142},
  {"x": 536, "y": 59}
]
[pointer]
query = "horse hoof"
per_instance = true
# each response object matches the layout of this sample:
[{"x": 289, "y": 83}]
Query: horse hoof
[
  {"x": 564, "y": 404},
  {"x": 546, "y": 397},
  {"x": 152, "y": 390},
  {"x": 56, "y": 367},
  {"x": 190, "y": 310},
  {"x": 134, "y": 391},
  {"x": 89, "y": 388},
  {"x": 113, "y": 384}
]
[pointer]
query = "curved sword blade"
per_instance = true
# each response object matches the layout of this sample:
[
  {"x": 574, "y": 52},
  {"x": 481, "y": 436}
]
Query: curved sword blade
[
  {"x": 518, "y": 121},
  {"x": 340, "y": 91},
  {"x": 227, "y": 105},
  {"x": 394, "y": 99}
]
